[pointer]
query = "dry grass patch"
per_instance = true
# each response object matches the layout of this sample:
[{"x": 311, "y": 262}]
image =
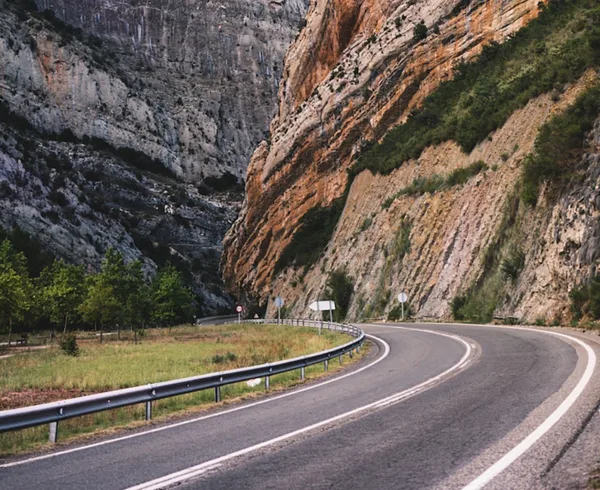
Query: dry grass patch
[{"x": 42, "y": 376}]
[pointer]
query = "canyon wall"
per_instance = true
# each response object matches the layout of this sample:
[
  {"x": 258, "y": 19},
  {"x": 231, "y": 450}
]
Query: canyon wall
[
  {"x": 192, "y": 84},
  {"x": 129, "y": 124},
  {"x": 356, "y": 71}
]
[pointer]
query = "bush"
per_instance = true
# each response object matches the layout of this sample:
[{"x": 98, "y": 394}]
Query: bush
[
  {"x": 312, "y": 236},
  {"x": 366, "y": 224},
  {"x": 461, "y": 176},
  {"x": 223, "y": 358},
  {"x": 456, "y": 305},
  {"x": 339, "y": 288},
  {"x": 401, "y": 244},
  {"x": 420, "y": 32},
  {"x": 395, "y": 313},
  {"x": 68, "y": 345},
  {"x": 513, "y": 264},
  {"x": 585, "y": 300}
]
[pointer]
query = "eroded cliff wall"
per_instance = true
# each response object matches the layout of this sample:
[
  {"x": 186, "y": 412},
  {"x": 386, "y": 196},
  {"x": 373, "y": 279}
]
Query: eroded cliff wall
[
  {"x": 339, "y": 93},
  {"x": 129, "y": 124},
  {"x": 450, "y": 222},
  {"x": 192, "y": 84}
]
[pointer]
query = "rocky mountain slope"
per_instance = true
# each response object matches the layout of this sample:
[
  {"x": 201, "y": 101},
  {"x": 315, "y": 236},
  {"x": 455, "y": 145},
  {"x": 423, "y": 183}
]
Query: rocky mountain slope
[
  {"x": 448, "y": 244},
  {"x": 130, "y": 124}
]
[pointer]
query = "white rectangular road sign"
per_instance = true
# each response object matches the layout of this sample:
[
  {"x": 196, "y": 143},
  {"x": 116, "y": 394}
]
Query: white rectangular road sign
[{"x": 322, "y": 306}]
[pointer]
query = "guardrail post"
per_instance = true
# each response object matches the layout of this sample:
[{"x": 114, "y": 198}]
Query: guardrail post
[
  {"x": 215, "y": 380},
  {"x": 53, "y": 436}
]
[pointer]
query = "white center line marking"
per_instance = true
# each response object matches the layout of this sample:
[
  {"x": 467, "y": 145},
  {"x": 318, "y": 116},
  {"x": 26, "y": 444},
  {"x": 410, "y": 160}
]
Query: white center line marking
[
  {"x": 205, "y": 417},
  {"x": 195, "y": 471}
]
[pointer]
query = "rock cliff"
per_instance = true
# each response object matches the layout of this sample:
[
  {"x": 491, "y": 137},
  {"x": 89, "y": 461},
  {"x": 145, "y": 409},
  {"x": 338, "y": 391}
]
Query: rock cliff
[
  {"x": 130, "y": 124},
  {"x": 339, "y": 93},
  {"x": 344, "y": 90},
  {"x": 192, "y": 84}
]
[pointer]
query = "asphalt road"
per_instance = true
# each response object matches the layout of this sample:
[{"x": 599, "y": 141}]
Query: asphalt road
[{"x": 443, "y": 436}]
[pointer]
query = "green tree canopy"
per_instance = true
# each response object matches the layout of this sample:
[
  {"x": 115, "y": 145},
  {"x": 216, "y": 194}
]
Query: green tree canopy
[
  {"x": 62, "y": 291},
  {"x": 100, "y": 306},
  {"x": 172, "y": 300},
  {"x": 138, "y": 306},
  {"x": 16, "y": 289}
]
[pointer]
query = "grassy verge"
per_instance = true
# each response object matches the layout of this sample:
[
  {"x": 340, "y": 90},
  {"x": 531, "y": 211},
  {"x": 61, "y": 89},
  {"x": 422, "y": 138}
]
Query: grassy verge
[{"x": 41, "y": 376}]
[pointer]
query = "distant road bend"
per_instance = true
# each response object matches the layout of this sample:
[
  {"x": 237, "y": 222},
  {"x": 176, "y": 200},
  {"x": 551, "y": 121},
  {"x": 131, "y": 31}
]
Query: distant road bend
[{"x": 434, "y": 406}]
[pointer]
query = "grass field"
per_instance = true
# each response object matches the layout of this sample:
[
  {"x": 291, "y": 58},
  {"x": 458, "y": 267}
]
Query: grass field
[{"x": 45, "y": 375}]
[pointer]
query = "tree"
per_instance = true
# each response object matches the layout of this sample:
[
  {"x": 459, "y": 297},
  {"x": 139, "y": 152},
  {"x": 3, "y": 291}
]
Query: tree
[
  {"x": 16, "y": 289},
  {"x": 100, "y": 306},
  {"x": 339, "y": 288},
  {"x": 112, "y": 285},
  {"x": 62, "y": 291},
  {"x": 420, "y": 31},
  {"x": 172, "y": 301},
  {"x": 138, "y": 306}
]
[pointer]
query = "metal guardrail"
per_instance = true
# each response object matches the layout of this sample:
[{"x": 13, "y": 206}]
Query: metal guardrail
[
  {"x": 209, "y": 320},
  {"x": 53, "y": 413}
]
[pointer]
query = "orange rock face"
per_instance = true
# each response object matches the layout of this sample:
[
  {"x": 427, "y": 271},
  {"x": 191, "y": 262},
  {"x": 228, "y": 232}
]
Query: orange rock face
[{"x": 353, "y": 73}]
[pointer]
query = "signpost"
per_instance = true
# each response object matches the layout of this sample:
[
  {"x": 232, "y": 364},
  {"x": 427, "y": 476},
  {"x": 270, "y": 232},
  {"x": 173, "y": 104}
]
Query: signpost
[
  {"x": 403, "y": 298},
  {"x": 239, "y": 309},
  {"x": 323, "y": 306},
  {"x": 279, "y": 303}
]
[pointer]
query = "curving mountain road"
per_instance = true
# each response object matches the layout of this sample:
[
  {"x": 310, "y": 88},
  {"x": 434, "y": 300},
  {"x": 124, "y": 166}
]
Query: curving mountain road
[{"x": 434, "y": 406}]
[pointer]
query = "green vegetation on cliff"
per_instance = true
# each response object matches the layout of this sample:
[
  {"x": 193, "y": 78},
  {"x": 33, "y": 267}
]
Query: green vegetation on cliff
[
  {"x": 339, "y": 288},
  {"x": 552, "y": 51},
  {"x": 423, "y": 185},
  {"x": 560, "y": 144},
  {"x": 313, "y": 235}
]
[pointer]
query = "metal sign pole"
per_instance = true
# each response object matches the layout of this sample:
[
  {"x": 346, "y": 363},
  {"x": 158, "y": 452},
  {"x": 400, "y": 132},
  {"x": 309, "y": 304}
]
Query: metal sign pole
[
  {"x": 402, "y": 297},
  {"x": 320, "y": 316}
]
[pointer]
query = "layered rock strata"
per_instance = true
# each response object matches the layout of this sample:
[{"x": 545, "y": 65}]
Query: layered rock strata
[{"x": 355, "y": 72}]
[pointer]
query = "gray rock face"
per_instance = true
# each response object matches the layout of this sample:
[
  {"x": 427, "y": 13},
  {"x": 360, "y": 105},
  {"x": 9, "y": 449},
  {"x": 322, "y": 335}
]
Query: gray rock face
[
  {"x": 129, "y": 124},
  {"x": 192, "y": 84}
]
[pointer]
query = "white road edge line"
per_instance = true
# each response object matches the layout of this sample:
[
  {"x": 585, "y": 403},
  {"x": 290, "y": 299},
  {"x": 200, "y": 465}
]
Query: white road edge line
[
  {"x": 516, "y": 452},
  {"x": 204, "y": 417},
  {"x": 512, "y": 455},
  {"x": 195, "y": 471}
]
